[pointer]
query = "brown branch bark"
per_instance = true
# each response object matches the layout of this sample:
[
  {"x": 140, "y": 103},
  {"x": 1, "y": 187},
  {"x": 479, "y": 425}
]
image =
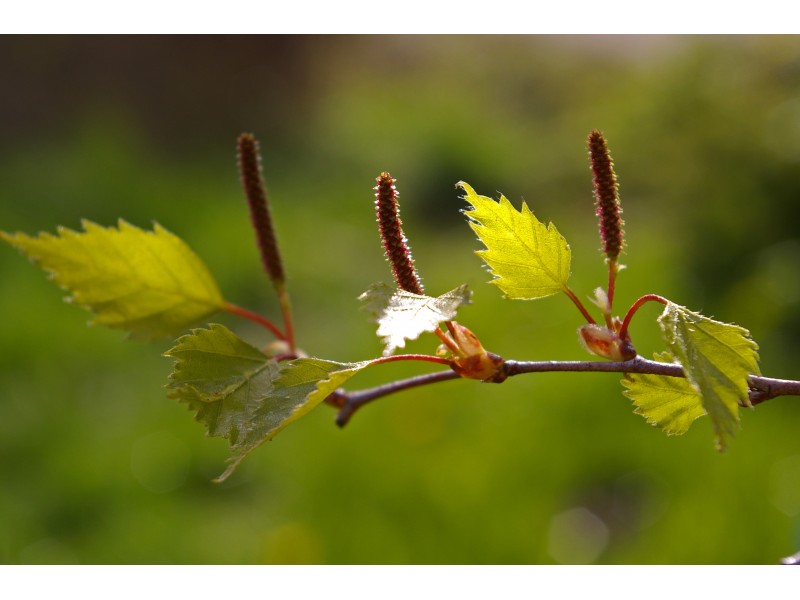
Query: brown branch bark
[{"x": 761, "y": 388}]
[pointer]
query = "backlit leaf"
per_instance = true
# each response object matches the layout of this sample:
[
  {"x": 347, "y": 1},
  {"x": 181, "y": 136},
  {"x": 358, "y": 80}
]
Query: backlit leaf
[
  {"x": 241, "y": 394},
  {"x": 404, "y": 316},
  {"x": 149, "y": 283},
  {"x": 717, "y": 359},
  {"x": 670, "y": 403},
  {"x": 528, "y": 259}
]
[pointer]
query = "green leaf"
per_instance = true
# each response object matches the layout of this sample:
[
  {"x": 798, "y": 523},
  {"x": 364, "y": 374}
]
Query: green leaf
[
  {"x": 149, "y": 283},
  {"x": 301, "y": 385},
  {"x": 241, "y": 394},
  {"x": 717, "y": 359},
  {"x": 226, "y": 381},
  {"x": 670, "y": 403},
  {"x": 215, "y": 362},
  {"x": 528, "y": 259},
  {"x": 404, "y": 316},
  {"x": 314, "y": 379}
]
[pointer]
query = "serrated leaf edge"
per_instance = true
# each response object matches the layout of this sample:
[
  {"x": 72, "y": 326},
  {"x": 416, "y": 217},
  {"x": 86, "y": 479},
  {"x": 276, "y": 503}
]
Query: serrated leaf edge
[
  {"x": 525, "y": 213},
  {"x": 669, "y": 336},
  {"x": 73, "y": 296},
  {"x": 176, "y": 351}
]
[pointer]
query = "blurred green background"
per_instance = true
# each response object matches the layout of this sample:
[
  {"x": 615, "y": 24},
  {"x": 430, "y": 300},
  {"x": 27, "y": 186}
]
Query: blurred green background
[{"x": 100, "y": 467}]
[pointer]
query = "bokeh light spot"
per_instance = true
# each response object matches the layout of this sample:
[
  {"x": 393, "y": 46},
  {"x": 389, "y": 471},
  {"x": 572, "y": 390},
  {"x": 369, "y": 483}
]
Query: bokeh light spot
[
  {"x": 577, "y": 536},
  {"x": 785, "y": 485}
]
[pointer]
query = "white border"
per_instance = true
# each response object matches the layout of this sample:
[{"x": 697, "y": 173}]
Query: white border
[
  {"x": 408, "y": 16},
  {"x": 398, "y": 582}
]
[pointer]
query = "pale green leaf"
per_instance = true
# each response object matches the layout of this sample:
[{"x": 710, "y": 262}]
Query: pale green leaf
[
  {"x": 404, "y": 316},
  {"x": 670, "y": 403},
  {"x": 528, "y": 259},
  {"x": 717, "y": 359},
  {"x": 241, "y": 394},
  {"x": 149, "y": 283}
]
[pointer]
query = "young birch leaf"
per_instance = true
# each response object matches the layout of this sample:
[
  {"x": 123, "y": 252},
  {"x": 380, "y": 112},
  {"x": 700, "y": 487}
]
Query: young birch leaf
[
  {"x": 670, "y": 403},
  {"x": 301, "y": 385},
  {"x": 404, "y": 316},
  {"x": 241, "y": 394},
  {"x": 717, "y": 359},
  {"x": 214, "y": 362},
  {"x": 528, "y": 259},
  {"x": 226, "y": 381},
  {"x": 314, "y": 379},
  {"x": 149, "y": 283}
]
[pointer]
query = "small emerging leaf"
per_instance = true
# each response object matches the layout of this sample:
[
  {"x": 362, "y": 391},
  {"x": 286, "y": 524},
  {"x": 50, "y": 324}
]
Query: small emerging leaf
[
  {"x": 241, "y": 394},
  {"x": 605, "y": 342},
  {"x": 149, "y": 283},
  {"x": 670, "y": 403},
  {"x": 470, "y": 359},
  {"x": 528, "y": 259},
  {"x": 404, "y": 316},
  {"x": 717, "y": 359}
]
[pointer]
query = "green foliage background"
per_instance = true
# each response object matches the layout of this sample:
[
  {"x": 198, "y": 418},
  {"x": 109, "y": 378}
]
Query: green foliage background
[{"x": 100, "y": 467}]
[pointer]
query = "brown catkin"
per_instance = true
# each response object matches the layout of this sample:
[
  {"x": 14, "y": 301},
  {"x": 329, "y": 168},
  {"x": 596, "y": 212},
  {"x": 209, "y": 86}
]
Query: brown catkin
[
  {"x": 253, "y": 185},
  {"x": 606, "y": 195},
  {"x": 395, "y": 244}
]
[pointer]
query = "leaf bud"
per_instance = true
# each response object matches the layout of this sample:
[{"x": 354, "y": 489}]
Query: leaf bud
[
  {"x": 604, "y": 342},
  {"x": 473, "y": 361}
]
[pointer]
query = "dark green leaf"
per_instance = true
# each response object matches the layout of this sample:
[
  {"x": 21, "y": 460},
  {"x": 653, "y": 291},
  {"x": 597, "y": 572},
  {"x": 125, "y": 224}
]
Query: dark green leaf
[{"x": 241, "y": 394}]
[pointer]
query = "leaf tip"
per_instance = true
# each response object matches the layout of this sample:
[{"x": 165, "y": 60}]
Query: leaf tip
[
  {"x": 234, "y": 462},
  {"x": 469, "y": 196},
  {"x": 86, "y": 225}
]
